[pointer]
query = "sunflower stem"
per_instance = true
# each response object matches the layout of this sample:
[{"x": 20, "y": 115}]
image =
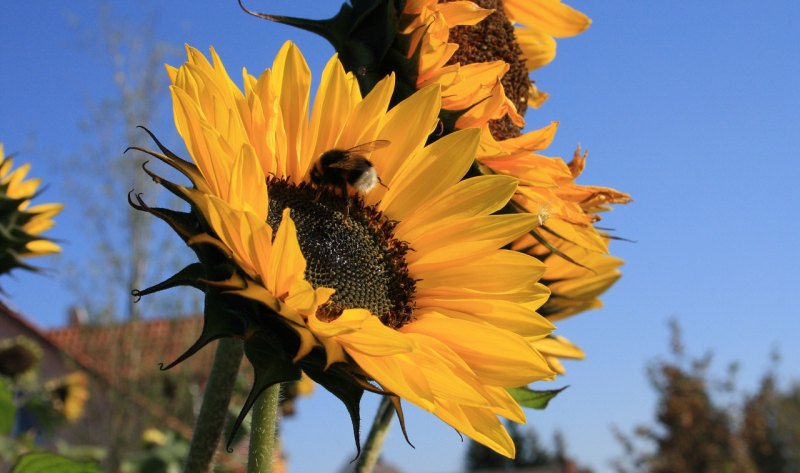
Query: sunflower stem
[
  {"x": 377, "y": 434},
  {"x": 263, "y": 429},
  {"x": 214, "y": 409}
]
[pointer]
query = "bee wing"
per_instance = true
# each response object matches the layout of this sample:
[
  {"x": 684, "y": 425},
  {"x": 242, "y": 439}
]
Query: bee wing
[
  {"x": 352, "y": 163},
  {"x": 369, "y": 147}
]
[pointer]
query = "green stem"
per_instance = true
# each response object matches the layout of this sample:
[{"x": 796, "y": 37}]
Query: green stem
[
  {"x": 263, "y": 429},
  {"x": 214, "y": 410},
  {"x": 377, "y": 434}
]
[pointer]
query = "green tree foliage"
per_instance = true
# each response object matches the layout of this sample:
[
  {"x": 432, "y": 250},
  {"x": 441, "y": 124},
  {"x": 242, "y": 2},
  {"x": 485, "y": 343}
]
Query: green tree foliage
[
  {"x": 530, "y": 453},
  {"x": 694, "y": 431},
  {"x": 770, "y": 427}
]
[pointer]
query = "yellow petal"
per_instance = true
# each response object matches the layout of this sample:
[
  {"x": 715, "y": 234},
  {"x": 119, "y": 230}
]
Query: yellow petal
[
  {"x": 479, "y": 424},
  {"x": 398, "y": 376},
  {"x": 498, "y": 357},
  {"x": 362, "y": 125},
  {"x": 463, "y": 13},
  {"x": 248, "y": 188},
  {"x": 538, "y": 47},
  {"x": 287, "y": 263},
  {"x": 359, "y": 330},
  {"x": 468, "y": 198},
  {"x": 332, "y": 100},
  {"x": 216, "y": 170},
  {"x": 41, "y": 248},
  {"x": 421, "y": 109},
  {"x": 293, "y": 78},
  {"x": 452, "y": 241},
  {"x": 517, "y": 317},
  {"x": 232, "y": 229},
  {"x": 558, "y": 346},
  {"x": 505, "y": 272},
  {"x": 549, "y": 16},
  {"x": 429, "y": 172}
]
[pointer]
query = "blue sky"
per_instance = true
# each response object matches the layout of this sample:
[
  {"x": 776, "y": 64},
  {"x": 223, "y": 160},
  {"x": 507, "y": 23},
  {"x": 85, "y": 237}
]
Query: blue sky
[{"x": 691, "y": 107}]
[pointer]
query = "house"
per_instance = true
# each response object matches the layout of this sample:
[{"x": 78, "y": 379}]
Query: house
[{"x": 128, "y": 392}]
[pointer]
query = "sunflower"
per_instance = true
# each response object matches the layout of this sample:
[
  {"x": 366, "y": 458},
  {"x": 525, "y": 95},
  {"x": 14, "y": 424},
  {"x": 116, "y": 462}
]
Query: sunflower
[
  {"x": 473, "y": 88},
  {"x": 521, "y": 35},
  {"x": 69, "y": 394},
  {"x": 402, "y": 289},
  {"x": 575, "y": 252},
  {"x": 506, "y": 38},
  {"x": 20, "y": 223},
  {"x": 547, "y": 186},
  {"x": 576, "y": 277}
]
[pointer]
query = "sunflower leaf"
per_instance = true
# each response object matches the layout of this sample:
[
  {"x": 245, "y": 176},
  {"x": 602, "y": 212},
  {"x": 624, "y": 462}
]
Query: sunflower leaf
[
  {"x": 37, "y": 462},
  {"x": 531, "y": 399}
]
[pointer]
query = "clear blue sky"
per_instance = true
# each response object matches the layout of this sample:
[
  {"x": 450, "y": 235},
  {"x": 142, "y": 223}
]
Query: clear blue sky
[{"x": 692, "y": 107}]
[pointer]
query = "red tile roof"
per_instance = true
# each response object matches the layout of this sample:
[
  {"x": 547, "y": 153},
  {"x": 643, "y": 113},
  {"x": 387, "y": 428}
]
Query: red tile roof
[{"x": 134, "y": 349}]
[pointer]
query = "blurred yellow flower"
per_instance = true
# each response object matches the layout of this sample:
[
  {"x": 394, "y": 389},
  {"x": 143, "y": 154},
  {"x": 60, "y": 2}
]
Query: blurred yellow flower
[
  {"x": 20, "y": 223},
  {"x": 154, "y": 437},
  {"x": 70, "y": 394}
]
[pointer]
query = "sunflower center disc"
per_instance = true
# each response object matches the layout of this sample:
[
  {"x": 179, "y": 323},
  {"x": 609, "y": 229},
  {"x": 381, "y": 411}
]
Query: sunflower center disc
[
  {"x": 349, "y": 248},
  {"x": 490, "y": 40}
]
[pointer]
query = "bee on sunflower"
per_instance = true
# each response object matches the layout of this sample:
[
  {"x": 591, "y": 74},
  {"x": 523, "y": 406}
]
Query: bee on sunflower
[
  {"x": 481, "y": 53},
  {"x": 404, "y": 289}
]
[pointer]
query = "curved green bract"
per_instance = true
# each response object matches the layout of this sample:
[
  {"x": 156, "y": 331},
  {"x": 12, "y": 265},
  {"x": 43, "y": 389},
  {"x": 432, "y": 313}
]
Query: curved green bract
[{"x": 531, "y": 399}]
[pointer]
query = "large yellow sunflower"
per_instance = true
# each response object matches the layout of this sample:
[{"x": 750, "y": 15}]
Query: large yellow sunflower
[
  {"x": 20, "y": 223},
  {"x": 406, "y": 285}
]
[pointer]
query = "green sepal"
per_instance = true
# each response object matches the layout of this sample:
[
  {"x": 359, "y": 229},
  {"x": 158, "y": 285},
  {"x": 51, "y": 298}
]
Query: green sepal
[
  {"x": 13, "y": 239},
  {"x": 398, "y": 408},
  {"x": 9, "y": 206},
  {"x": 175, "y": 189},
  {"x": 219, "y": 321},
  {"x": 336, "y": 381},
  {"x": 189, "y": 276},
  {"x": 531, "y": 399},
  {"x": 185, "y": 224},
  {"x": 185, "y": 167},
  {"x": 7, "y": 408},
  {"x": 271, "y": 365},
  {"x": 40, "y": 462},
  {"x": 9, "y": 260},
  {"x": 449, "y": 119},
  {"x": 365, "y": 35},
  {"x": 406, "y": 68}
]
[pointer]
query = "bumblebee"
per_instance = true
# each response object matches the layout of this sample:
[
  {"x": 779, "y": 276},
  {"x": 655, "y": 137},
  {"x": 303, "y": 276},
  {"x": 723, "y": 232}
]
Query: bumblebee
[{"x": 342, "y": 168}]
